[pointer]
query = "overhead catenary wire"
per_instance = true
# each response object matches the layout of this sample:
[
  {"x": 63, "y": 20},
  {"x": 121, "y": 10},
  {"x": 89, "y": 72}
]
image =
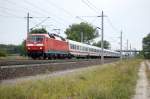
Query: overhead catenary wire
[
  {"x": 10, "y": 9},
  {"x": 11, "y": 15},
  {"x": 89, "y": 5},
  {"x": 21, "y": 6},
  {"x": 112, "y": 26},
  {"x": 37, "y": 12},
  {"x": 59, "y": 8},
  {"x": 92, "y": 5},
  {"x": 40, "y": 22},
  {"x": 44, "y": 10}
]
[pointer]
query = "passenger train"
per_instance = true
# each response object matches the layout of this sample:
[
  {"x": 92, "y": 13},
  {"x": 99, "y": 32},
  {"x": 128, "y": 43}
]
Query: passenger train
[{"x": 52, "y": 46}]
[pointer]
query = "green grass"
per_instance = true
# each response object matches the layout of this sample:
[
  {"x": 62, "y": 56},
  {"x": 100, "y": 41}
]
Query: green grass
[{"x": 112, "y": 81}]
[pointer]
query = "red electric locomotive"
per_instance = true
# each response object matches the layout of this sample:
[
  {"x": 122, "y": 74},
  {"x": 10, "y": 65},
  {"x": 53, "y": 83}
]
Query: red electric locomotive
[{"x": 47, "y": 46}]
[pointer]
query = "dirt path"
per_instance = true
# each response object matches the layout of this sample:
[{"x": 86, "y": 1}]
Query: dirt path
[
  {"x": 148, "y": 64},
  {"x": 142, "y": 91}
]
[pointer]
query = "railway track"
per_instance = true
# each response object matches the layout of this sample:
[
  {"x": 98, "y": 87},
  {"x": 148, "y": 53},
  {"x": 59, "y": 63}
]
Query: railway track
[
  {"x": 29, "y": 62},
  {"x": 14, "y": 69}
]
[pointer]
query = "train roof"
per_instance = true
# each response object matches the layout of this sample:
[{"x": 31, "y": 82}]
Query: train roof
[
  {"x": 41, "y": 34},
  {"x": 52, "y": 35}
]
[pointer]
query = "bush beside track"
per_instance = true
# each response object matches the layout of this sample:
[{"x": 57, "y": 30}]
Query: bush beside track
[{"x": 113, "y": 81}]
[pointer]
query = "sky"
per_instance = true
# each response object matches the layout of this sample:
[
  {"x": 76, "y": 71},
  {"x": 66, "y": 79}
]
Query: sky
[{"x": 132, "y": 17}]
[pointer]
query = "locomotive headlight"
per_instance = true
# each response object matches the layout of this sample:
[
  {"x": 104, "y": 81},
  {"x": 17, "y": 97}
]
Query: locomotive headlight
[
  {"x": 40, "y": 47},
  {"x": 28, "y": 48}
]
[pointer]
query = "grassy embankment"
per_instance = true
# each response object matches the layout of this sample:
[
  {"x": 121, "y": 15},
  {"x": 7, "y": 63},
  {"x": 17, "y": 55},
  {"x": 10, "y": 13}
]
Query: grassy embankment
[{"x": 112, "y": 81}]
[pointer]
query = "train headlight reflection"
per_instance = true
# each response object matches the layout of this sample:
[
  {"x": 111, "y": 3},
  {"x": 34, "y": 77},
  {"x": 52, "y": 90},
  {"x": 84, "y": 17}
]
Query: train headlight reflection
[{"x": 40, "y": 47}]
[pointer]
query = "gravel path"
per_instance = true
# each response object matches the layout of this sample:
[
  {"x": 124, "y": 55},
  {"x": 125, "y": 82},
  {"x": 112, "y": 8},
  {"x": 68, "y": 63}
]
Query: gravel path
[
  {"x": 142, "y": 91},
  {"x": 148, "y": 64}
]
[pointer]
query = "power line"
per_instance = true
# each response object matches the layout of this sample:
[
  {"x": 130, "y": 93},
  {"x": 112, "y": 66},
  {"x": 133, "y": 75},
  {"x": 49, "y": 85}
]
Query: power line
[
  {"x": 40, "y": 11},
  {"x": 8, "y": 9},
  {"x": 43, "y": 10},
  {"x": 89, "y": 5},
  {"x": 40, "y": 22},
  {"x": 22, "y": 7},
  {"x": 59, "y": 7},
  {"x": 11, "y": 15},
  {"x": 113, "y": 27},
  {"x": 30, "y": 4},
  {"x": 79, "y": 17},
  {"x": 92, "y": 5}
]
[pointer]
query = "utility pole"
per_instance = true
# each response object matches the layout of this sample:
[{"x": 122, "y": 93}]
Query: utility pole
[
  {"x": 121, "y": 46},
  {"x": 130, "y": 50},
  {"x": 127, "y": 49},
  {"x": 102, "y": 38},
  {"x": 28, "y": 23},
  {"x": 102, "y": 34}
]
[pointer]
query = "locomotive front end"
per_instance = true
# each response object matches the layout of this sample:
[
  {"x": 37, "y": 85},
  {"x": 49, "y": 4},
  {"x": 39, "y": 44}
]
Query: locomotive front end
[{"x": 35, "y": 45}]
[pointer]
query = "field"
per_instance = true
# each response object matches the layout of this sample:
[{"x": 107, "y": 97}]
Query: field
[
  {"x": 13, "y": 57},
  {"x": 111, "y": 81}
]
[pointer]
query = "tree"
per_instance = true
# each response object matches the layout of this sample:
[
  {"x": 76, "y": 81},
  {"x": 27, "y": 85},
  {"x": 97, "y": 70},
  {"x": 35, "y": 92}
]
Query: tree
[
  {"x": 3, "y": 53},
  {"x": 106, "y": 44},
  {"x": 9, "y": 49},
  {"x": 38, "y": 30},
  {"x": 146, "y": 46},
  {"x": 88, "y": 31},
  {"x": 22, "y": 49}
]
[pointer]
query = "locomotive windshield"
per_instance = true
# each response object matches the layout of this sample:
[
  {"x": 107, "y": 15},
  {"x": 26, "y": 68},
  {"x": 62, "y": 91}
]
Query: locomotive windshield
[{"x": 36, "y": 38}]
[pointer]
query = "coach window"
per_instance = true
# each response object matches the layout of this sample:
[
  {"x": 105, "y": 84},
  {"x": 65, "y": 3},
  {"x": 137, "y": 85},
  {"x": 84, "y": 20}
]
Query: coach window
[
  {"x": 74, "y": 46},
  {"x": 71, "y": 46},
  {"x": 77, "y": 47},
  {"x": 90, "y": 49},
  {"x": 97, "y": 51},
  {"x": 80, "y": 48},
  {"x": 86, "y": 49}
]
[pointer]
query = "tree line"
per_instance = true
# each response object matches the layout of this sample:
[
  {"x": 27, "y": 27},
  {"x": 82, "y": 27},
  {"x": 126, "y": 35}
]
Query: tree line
[{"x": 10, "y": 49}]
